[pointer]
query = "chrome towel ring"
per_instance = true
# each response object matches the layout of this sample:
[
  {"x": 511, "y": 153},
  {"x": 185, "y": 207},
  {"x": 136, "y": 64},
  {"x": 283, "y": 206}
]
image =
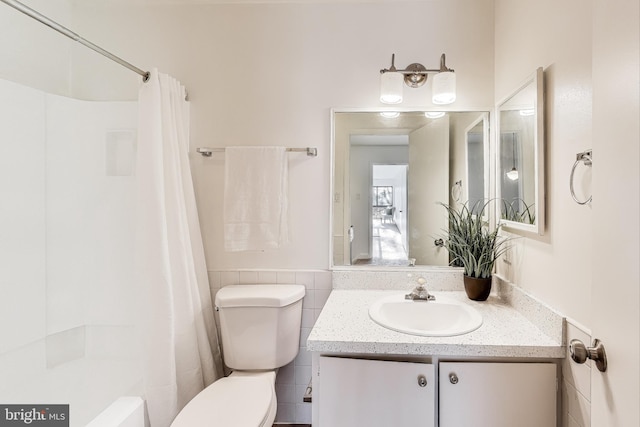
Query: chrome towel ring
[{"x": 585, "y": 157}]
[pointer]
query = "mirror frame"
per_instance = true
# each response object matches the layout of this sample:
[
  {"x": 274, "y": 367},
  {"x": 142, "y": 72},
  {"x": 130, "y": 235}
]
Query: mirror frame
[
  {"x": 486, "y": 157},
  {"x": 486, "y": 120},
  {"x": 539, "y": 199}
]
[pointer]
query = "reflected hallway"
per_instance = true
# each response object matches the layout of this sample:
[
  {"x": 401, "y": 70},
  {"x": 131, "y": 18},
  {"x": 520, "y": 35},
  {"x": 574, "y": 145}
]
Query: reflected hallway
[{"x": 387, "y": 247}]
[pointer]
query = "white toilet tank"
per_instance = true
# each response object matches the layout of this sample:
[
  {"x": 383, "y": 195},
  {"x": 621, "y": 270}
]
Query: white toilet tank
[{"x": 260, "y": 325}]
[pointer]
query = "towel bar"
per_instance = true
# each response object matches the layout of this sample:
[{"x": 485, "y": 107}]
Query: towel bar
[{"x": 207, "y": 152}]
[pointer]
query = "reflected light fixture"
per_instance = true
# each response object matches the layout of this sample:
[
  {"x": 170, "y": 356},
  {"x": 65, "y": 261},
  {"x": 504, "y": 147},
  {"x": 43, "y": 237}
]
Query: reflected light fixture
[
  {"x": 513, "y": 173},
  {"x": 415, "y": 75},
  {"x": 390, "y": 114},
  {"x": 434, "y": 114}
]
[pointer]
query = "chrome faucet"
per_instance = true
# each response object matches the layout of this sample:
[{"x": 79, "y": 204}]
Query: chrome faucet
[{"x": 420, "y": 293}]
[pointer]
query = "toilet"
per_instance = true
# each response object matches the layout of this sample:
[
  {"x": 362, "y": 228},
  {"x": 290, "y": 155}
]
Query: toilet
[{"x": 260, "y": 329}]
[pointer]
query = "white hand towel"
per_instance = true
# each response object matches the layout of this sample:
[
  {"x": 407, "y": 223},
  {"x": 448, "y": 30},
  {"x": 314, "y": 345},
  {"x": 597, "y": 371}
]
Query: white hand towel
[{"x": 256, "y": 182}]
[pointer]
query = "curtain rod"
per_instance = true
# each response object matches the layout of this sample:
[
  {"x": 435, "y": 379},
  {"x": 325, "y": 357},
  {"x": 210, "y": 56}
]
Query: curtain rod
[
  {"x": 206, "y": 152},
  {"x": 59, "y": 28}
]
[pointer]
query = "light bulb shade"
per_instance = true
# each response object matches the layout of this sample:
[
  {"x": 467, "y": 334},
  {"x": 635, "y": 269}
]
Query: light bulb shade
[
  {"x": 513, "y": 174},
  {"x": 391, "y": 87},
  {"x": 444, "y": 88}
]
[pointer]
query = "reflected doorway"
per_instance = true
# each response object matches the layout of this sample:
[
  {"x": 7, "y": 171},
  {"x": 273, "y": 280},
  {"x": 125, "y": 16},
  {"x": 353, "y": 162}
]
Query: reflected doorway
[{"x": 388, "y": 219}]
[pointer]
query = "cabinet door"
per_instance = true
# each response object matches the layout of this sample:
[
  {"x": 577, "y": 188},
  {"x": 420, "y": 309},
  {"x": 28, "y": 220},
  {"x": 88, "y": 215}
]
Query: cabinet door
[
  {"x": 373, "y": 393},
  {"x": 497, "y": 395}
]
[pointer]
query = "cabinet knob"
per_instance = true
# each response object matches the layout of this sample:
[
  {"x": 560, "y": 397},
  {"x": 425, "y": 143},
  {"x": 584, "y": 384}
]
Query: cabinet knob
[
  {"x": 453, "y": 378},
  {"x": 422, "y": 381}
]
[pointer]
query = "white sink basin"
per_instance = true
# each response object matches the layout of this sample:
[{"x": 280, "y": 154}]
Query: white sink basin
[{"x": 443, "y": 317}]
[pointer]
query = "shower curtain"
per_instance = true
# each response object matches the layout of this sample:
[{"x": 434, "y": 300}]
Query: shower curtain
[{"x": 180, "y": 347}]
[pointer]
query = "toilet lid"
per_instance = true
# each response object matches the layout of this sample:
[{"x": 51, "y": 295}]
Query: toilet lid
[{"x": 230, "y": 401}]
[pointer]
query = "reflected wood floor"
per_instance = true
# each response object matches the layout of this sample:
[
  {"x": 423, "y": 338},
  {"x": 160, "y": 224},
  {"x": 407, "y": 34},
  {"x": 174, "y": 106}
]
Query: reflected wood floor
[{"x": 388, "y": 249}]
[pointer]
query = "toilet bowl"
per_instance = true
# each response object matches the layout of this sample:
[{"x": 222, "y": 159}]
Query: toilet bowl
[
  {"x": 240, "y": 400},
  {"x": 260, "y": 330}
]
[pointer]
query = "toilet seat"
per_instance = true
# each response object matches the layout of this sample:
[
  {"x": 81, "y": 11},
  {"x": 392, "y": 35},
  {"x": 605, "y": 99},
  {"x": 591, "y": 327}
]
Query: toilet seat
[{"x": 239, "y": 400}]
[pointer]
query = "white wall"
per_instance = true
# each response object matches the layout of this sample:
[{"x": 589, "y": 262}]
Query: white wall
[
  {"x": 33, "y": 54},
  {"x": 586, "y": 265},
  {"x": 269, "y": 73},
  {"x": 557, "y": 266}
]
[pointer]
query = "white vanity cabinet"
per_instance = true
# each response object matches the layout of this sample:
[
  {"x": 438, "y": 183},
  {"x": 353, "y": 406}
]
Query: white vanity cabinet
[
  {"x": 497, "y": 394},
  {"x": 360, "y": 392},
  {"x": 375, "y": 393},
  {"x": 504, "y": 373}
]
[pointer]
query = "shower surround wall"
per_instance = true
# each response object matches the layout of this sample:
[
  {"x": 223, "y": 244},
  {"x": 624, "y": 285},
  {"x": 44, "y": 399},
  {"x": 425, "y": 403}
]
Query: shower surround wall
[{"x": 66, "y": 221}]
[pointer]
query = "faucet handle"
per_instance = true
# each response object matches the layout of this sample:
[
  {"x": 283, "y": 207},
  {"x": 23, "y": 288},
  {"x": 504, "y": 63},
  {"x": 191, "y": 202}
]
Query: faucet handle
[{"x": 420, "y": 293}]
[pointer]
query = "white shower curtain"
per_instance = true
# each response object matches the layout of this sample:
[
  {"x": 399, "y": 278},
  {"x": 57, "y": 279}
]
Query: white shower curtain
[{"x": 181, "y": 354}]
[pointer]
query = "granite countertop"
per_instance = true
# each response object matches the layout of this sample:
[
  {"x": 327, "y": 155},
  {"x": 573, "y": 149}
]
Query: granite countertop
[{"x": 344, "y": 326}]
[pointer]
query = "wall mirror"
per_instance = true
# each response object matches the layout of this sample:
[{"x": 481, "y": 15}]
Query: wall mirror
[
  {"x": 520, "y": 160},
  {"x": 390, "y": 170}
]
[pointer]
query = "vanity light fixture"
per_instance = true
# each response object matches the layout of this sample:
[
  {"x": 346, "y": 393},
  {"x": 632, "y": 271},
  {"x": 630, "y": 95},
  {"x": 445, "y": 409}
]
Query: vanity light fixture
[{"x": 415, "y": 75}]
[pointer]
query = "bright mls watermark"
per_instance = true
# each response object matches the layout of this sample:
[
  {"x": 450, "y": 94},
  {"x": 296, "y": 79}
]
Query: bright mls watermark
[{"x": 34, "y": 415}]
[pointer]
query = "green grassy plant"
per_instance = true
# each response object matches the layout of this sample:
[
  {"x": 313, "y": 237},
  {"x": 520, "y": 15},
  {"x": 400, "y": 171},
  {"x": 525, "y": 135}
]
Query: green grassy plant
[
  {"x": 510, "y": 211},
  {"x": 470, "y": 243}
]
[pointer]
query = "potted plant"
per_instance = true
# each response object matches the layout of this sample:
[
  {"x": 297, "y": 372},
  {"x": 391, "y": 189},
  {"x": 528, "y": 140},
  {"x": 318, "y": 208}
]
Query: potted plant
[{"x": 474, "y": 247}]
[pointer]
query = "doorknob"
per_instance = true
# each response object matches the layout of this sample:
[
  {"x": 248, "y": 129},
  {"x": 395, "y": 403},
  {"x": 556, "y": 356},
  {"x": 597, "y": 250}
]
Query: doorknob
[{"x": 580, "y": 353}]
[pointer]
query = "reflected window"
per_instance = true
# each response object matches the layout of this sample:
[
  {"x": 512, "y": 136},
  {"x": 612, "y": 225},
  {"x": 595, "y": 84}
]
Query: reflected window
[{"x": 382, "y": 196}]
